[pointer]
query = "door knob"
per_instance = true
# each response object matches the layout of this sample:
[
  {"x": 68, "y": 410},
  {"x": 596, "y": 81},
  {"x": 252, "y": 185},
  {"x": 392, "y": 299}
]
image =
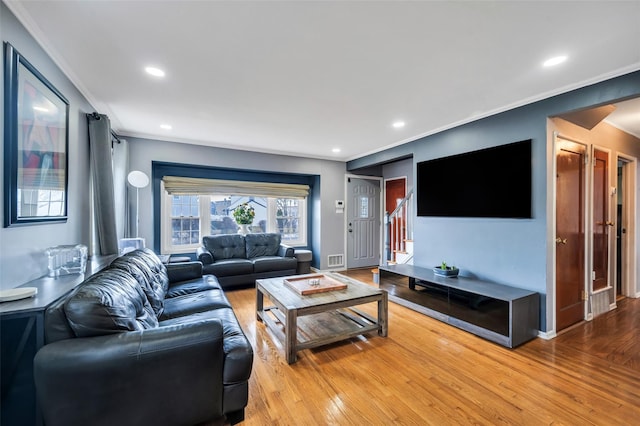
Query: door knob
[
  {"x": 561, "y": 240},
  {"x": 609, "y": 223}
]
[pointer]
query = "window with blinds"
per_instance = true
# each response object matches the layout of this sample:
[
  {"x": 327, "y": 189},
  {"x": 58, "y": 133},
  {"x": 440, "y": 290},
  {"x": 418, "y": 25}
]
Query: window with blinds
[{"x": 193, "y": 208}]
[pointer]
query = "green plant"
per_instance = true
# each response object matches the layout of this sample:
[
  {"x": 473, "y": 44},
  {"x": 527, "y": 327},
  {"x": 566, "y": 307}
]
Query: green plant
[
  {"x": 444, "y": 266},
  {"x": 244, "y": 214}
]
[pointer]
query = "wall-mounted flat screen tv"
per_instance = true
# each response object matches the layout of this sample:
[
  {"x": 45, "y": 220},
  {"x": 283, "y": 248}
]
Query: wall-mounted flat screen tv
[{"x": 492, "y": 182}]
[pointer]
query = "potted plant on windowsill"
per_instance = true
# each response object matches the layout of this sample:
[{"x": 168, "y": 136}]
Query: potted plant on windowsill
[
  {"x": 244, "y": 214},
  {"x": 446, "y": 271}
]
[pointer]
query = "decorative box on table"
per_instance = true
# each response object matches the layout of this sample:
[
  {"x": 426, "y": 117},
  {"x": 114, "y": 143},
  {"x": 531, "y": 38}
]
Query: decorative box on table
[{"x": 67, "y": 259}]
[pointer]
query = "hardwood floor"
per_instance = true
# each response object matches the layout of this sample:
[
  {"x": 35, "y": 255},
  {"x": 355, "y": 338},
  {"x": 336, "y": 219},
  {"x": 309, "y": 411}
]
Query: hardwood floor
[{"x": 427, "y": 372}]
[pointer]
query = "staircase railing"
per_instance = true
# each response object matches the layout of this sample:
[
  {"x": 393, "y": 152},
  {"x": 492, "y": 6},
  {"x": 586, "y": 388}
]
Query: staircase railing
[{"x": 398, "y": 228}]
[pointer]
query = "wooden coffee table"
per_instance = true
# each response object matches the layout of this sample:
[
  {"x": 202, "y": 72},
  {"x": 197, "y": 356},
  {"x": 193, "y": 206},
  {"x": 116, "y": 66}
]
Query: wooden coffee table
[{"x": 309, "y": 321}]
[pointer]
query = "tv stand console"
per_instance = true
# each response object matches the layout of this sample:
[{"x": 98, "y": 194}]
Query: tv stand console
[{"x": 499, "y": 313}]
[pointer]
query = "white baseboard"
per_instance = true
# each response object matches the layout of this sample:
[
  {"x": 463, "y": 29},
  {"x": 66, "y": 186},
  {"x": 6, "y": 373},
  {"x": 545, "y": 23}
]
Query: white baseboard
[{"x": 547, "y": 335}]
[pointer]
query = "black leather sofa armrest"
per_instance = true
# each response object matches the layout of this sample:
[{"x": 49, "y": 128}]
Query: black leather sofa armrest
[
  {"x": 184, "y": 271},
  {"x": 124, "y": 378},
  {"x": 204, "y": 255},
  {"x": 286, "y": 251}
]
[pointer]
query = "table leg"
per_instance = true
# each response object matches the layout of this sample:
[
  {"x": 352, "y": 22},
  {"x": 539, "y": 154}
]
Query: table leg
[
  {"x": 291, "y": 335},
  {"x": 259, "y": 304},
  {"x": 412, "y": 283},
  {"x": 383, "y": 313}
]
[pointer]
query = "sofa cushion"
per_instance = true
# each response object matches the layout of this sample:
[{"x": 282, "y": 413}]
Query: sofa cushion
[
  {"x": 183, "y": 271},
  {"x": 158, "y": 269},
  {"x": 108, "y": 302},
  {"x": 56, "y": 325},
  {"x": 266, "y": 244},
  {"x": 154, "y": 270},
  {"x": 273, "y": 263},
  {"x": 139, "y": 269},
  {"x": 238, "y": 352},
  {"x": 207, "y": 282},
  {"x": 225, "y": 246},
  {"x": 224, "y": 268},
  {"x": 184, "y": 306}
]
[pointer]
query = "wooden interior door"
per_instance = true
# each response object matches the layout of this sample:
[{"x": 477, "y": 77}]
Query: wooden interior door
[
  {"x": 623, "y": 220},
  {"x": 570, "y": 234},
  {"x": 395, "y": 191},
  {"x": 601, "y": 222}
]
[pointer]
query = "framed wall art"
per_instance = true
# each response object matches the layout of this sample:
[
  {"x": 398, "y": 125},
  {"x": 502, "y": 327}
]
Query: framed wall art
[{"x": 36, "y": 134}]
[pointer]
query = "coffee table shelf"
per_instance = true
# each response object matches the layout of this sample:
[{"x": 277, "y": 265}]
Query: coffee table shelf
[
  {"x": 323, "y": 328},
  {"x": 308, "y": 321}
]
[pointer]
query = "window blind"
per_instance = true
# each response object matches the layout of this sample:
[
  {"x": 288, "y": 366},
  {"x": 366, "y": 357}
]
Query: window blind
[{"x": 199, "y": 186}]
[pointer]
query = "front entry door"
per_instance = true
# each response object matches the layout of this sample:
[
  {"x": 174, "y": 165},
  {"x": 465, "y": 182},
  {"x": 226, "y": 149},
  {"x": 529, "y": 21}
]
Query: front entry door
[
  {"x": 363, "y": 222},
  {"x": 601, "y": 222},
  {"x": 570, "y": 234}
]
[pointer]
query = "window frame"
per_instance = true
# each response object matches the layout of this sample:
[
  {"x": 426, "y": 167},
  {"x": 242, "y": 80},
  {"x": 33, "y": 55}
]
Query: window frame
[
  {"x": 167, "y": 246},
  {"x": 272, "y": 225}
]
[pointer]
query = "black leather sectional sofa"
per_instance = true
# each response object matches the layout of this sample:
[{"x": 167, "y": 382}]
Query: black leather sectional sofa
[
  {"x": 239, "y": 260},
  {"x": 141, "y": 343}
]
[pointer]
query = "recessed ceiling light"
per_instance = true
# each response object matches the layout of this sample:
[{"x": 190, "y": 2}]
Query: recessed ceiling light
[
  {"x": 554, "y": 61},
  {"x": 166, "y": 126},
  {"x": 336, "y": 150},
  {"x": 156, "y": 72},
  {"x": 398, "y": 124}
]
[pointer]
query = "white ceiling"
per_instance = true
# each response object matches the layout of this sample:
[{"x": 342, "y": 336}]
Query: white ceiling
[
  {"x": 626, "y": 116},
  {"x": 303, "y": 77}
]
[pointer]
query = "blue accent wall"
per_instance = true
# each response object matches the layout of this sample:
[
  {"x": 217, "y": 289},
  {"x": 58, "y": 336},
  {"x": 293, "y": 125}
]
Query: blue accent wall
[{"x": 507, "y": 251}]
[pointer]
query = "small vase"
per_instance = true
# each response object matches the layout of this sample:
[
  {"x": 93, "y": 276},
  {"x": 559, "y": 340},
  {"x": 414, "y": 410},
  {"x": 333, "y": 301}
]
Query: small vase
[{"x": 243, "y": 229}]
